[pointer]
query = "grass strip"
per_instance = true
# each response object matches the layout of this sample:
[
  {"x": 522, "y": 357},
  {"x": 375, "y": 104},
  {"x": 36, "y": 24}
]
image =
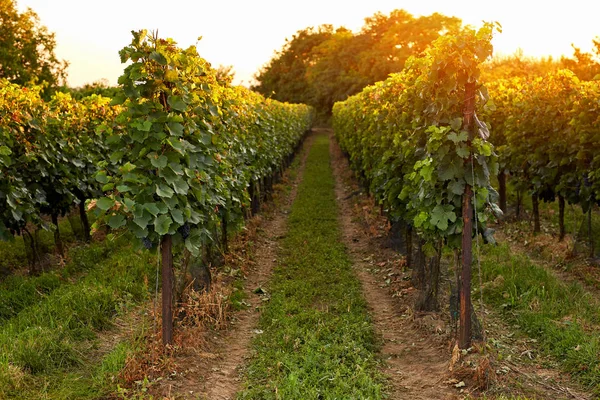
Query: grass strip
[
  {"x": 17, "y": 292},
  {"x": 45, "y": 349},
  {"x": 317, "y": 340},
  {"x": 560, "y": 316}
]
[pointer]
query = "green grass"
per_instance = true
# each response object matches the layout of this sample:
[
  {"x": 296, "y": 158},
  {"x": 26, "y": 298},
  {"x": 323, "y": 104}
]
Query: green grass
[
  {"x": 562, "y": 317},
  {"x": 318, "y": 341},
  {"x": 18, "y": 292},
  {"x": 46, "y": 349}
]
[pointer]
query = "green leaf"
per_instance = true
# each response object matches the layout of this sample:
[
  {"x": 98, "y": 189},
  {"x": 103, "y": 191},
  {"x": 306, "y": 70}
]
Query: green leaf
[
  {"x": 162, "y": 208},
  {"x": 158, "y": 161},
  {"x": 116, "y": 156},
  {"x": 164, "y": 191},
  {"x": 127, "y": 168},
  {"x": 142, "y": 220},
  {"x": 206, "y": 138},
  {"x": 162, "y": 224},
  {"x": 118, "y": 99},
  {"x": 461, "y": 137},
  {"x": 105, "y": 203},
  {"x": 440, "y": 215},
  {"x": 463, "y": 151},
  {"x": 175, "y": 129},
  {"x": 177, "y": 216},
  {"x": 456, "y": 124},
  {"x": 138, "y": 231},
  {"x": 193, "y": 245},
  {"x": 158, "y": 57},
  {"x": 123, "y": 188},
  {"x": 486, "y": 149},
  {"x": 145, "y": 126},
  {"x": 420, "y": 219},
  {"x": 7, "y": 161},
  {"x": 181, "y": 186},
  {"x": 129, "y": 203},
  {"x": 101, "y": 177},
  {"x": 116, "y": 221},
  {"x": 177, "y": 103},
  {"x": 426, "y": 172},
  {"x": 450, "y": 170},
  {"x": 152, "y": 208},
  {"x": 5, "y": 151},
  {"x": 169, "y": 175},
  {"x": 457, "y": 187}
]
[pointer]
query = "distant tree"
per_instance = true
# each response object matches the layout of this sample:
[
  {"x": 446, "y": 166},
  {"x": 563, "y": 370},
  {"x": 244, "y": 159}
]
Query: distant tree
[
  {"x": 324, "y": 65},
  {"x": 284, "y": 77},
  {"x": 335, "y": 71},
  {"x": 393, "y": 38},
  {"x": 585, "y": 65},
  {"x": 27, "y": 49}
]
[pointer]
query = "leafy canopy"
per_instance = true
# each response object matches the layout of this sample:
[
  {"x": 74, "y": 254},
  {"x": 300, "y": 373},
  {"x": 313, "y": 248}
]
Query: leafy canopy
[
  {"x": 27, "y": 49},
  {"x": 324, "y": 65}
]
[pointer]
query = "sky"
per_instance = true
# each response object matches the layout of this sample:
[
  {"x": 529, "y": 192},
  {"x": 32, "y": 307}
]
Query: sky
[{"x": 246, "y": 33}]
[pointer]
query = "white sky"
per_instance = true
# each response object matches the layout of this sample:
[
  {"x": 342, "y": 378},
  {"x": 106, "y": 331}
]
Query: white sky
[{"x": 246, "y": 33}]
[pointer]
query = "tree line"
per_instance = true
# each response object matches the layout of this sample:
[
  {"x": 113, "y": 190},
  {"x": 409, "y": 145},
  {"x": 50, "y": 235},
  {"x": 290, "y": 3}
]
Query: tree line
[{"x": 322, "y": 65}]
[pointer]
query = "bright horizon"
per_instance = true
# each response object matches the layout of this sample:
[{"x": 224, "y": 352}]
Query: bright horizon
[{"x": 246, "y": 34}]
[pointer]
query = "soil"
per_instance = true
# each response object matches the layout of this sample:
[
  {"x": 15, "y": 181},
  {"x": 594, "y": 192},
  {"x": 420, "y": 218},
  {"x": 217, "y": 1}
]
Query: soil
[
  {"x": 416, "y": 364},
  {"x": 214, "y": 372}
]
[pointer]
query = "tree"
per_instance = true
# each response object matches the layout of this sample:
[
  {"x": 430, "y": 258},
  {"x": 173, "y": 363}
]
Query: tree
[
  {"x": 27, "y": 49},
  {"x": 335, "y": 74},
  {"x": 324, "y": 65},
  {"x": 394, "y": 38},
  {"x": 284, "y": 77}
]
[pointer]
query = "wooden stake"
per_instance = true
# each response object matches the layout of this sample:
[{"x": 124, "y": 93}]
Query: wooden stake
[
  {"x": 167, "y": 289},
  {"x": 464, "y": 334}
]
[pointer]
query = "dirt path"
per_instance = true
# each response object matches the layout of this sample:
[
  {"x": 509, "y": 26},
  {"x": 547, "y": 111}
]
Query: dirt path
[
  {"x": 223, "y": 382},
  {"x": 416, "y": 364},
  {"x": 218, "y": 377}
]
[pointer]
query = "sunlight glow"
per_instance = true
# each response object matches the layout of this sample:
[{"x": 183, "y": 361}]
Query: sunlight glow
[{"x": 246, "y": 34}]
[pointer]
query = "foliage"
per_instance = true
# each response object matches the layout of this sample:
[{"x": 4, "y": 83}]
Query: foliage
[
  {"x": 517, "y": 65},
  {"x": 324, "y": 65},
  {"x": 21, "y": 114},
  {"x": 49, "y": 152},
  {"x": 100, "y": 87},
  {"x": 27, "y": 49},
  {"x": 546, "y": 133},
  {"x": 189, "y": 147},
  {"x": 585, "y": 65},
  {"x": 406, "y": 137}
]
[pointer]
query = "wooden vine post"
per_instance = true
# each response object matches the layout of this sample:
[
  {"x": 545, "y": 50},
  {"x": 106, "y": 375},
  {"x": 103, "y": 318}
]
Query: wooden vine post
[
  {"x": 167, "y": 289},
  {"x": 464, "y": 334}
]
